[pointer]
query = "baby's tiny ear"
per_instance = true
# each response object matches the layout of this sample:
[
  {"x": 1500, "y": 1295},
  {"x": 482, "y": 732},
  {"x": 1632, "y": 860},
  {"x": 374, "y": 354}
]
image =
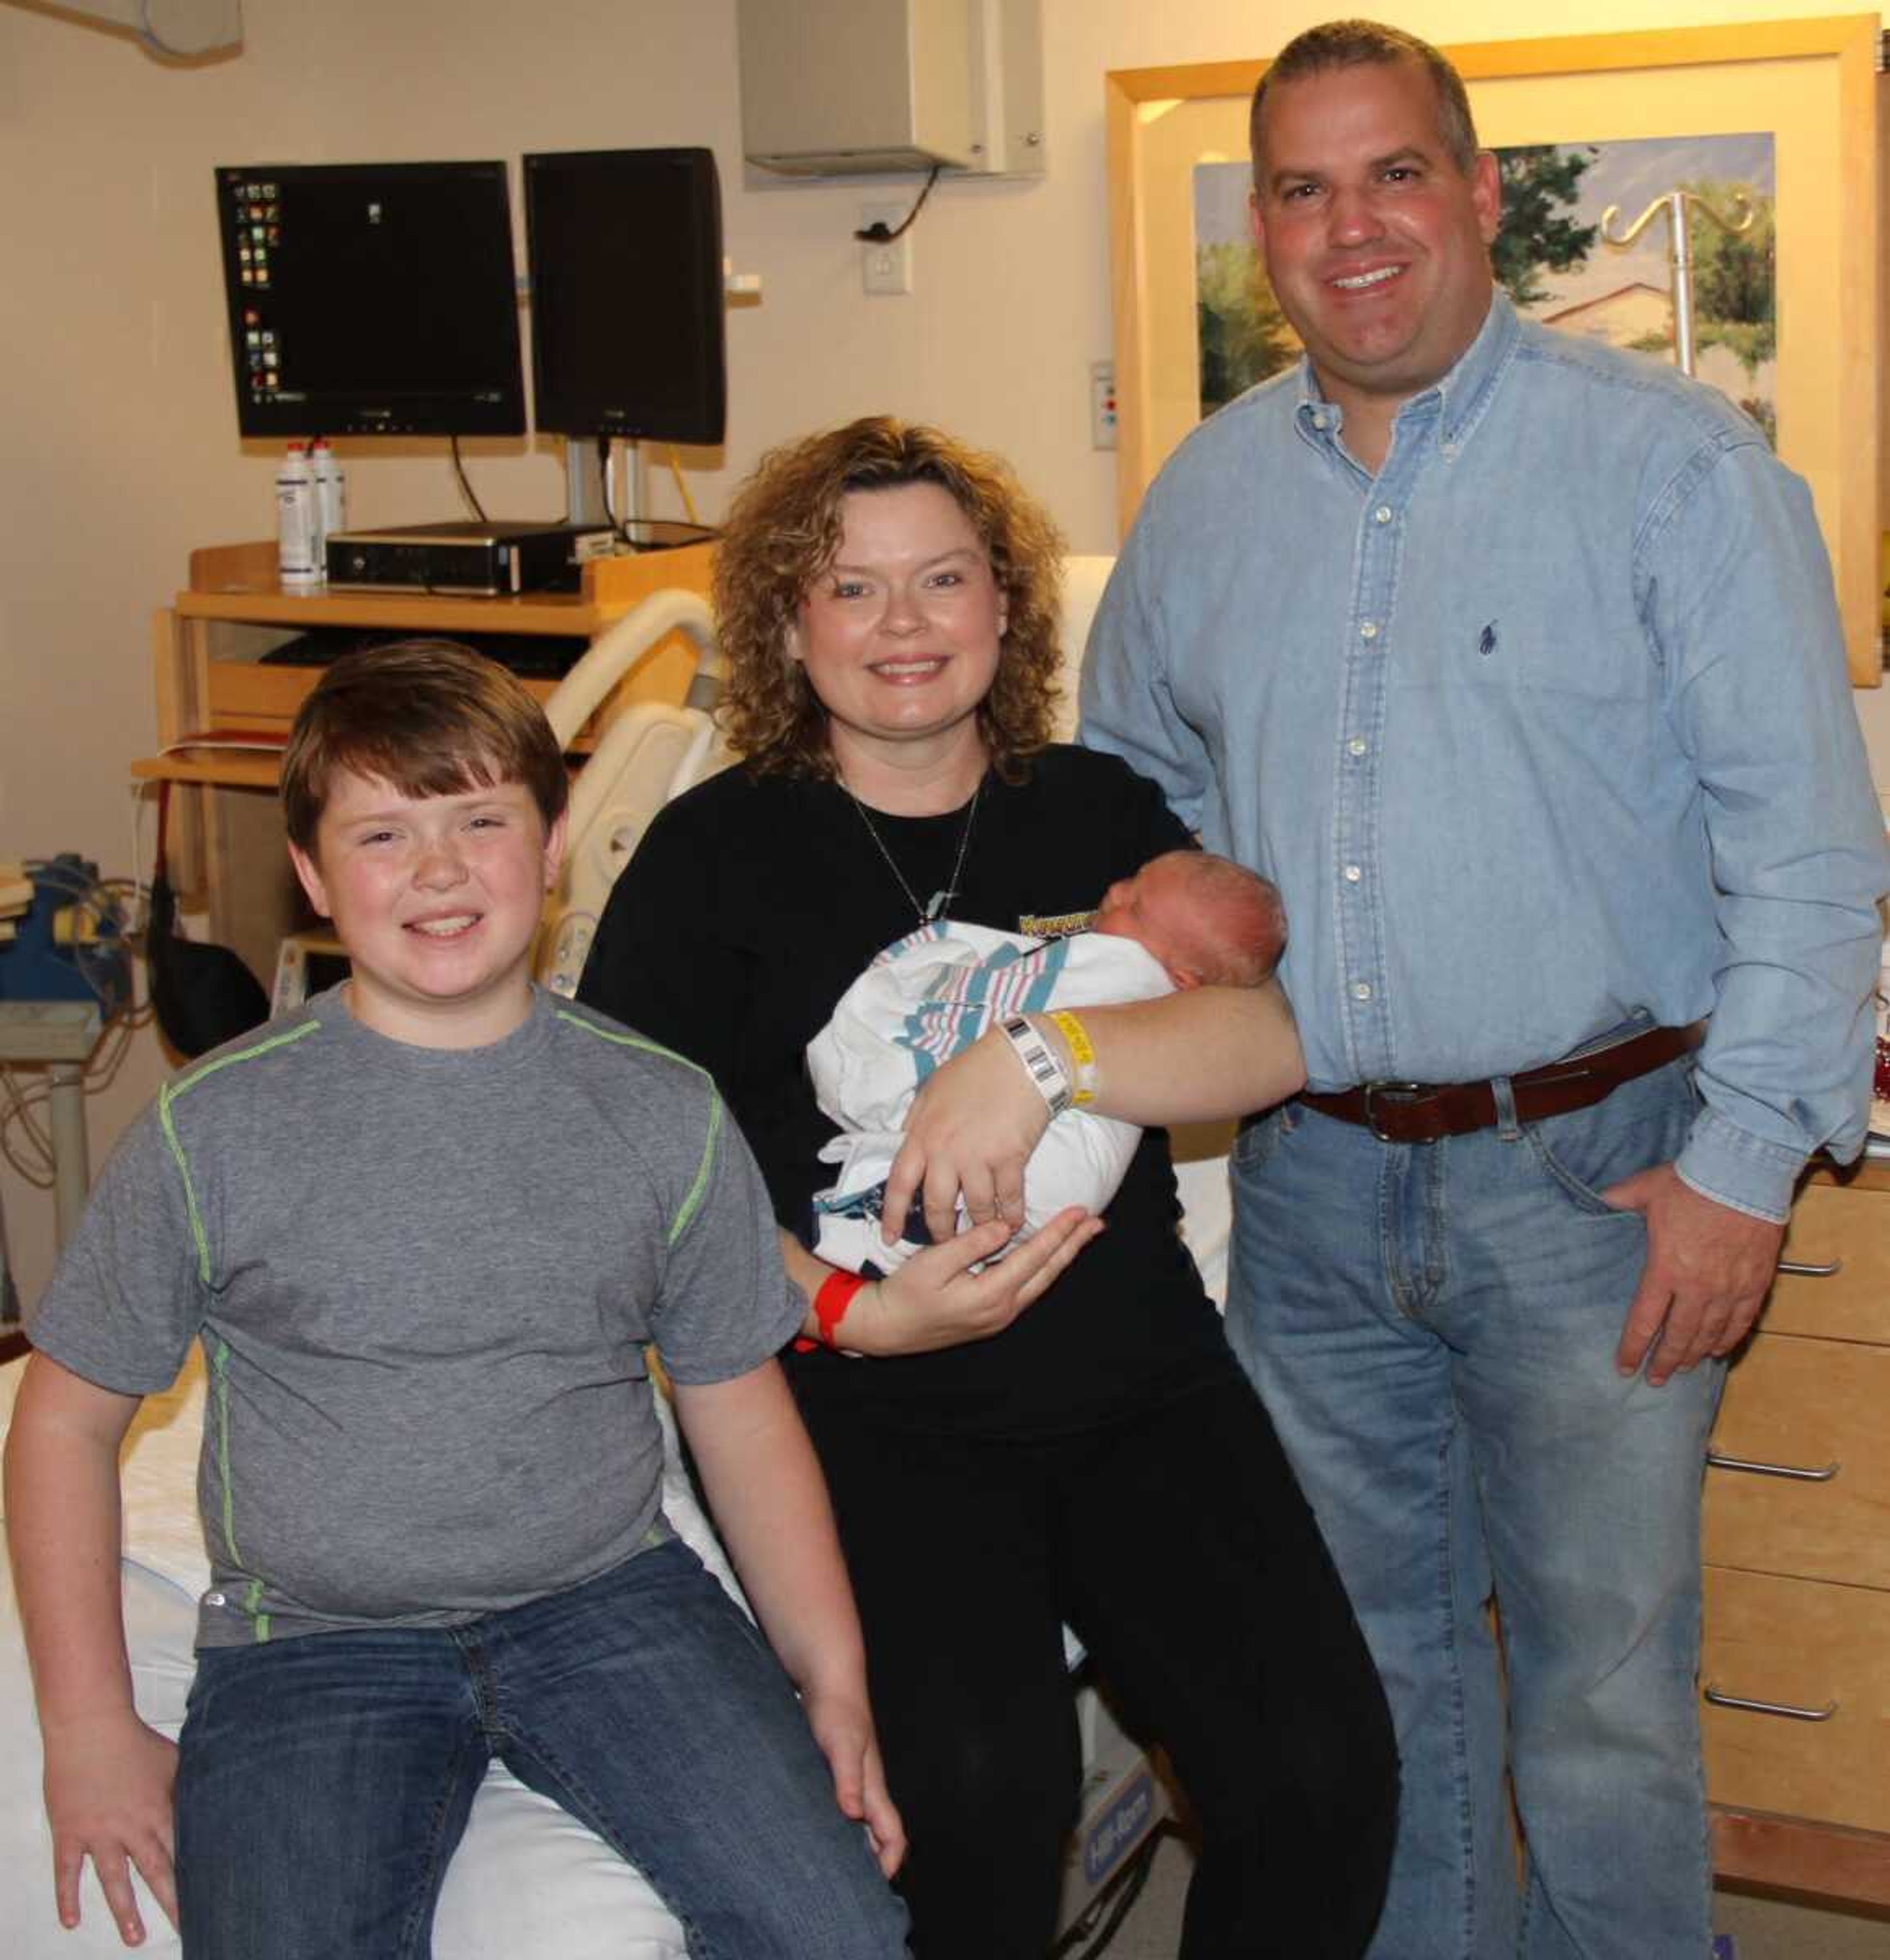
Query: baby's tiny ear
[{"x": 1186, "y": 979}]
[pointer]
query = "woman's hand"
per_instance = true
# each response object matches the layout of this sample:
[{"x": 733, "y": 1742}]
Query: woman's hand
[
  {"x": 935, "y": 1300},
  {"x": 1194, "y": 1057},
  {"x": 971, "y": 1128}
]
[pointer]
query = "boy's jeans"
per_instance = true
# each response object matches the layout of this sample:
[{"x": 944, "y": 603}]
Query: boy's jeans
[
  {"x": 323, "y": 1781},
  {"x": 1433, "y": 1328}
]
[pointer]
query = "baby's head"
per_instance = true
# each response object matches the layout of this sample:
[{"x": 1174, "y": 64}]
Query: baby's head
[{"x": 1210, "y": 921}]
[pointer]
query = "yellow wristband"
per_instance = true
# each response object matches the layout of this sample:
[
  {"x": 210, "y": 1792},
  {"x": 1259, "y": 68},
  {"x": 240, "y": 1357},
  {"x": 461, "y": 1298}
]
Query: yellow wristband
[{"x": 1082, "y": 1052}]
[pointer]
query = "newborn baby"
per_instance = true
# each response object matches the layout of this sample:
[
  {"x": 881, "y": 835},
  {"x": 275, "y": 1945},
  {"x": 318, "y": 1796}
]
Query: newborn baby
[{"x": 1186, "y": 919}]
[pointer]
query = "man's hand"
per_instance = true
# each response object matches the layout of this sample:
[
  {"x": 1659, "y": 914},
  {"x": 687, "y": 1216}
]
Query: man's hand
[
  {"x": 1708, "y": 1270},
  {"x": 971, "y": 1128},
  {"x": 844, "y": 1729},
  {"x": 108, "y": 1791},
  {"x": 935, "y": 1300}
]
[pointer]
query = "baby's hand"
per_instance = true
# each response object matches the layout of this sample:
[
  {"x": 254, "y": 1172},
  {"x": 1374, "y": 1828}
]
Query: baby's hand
[{"x": 108, "y": 1798}]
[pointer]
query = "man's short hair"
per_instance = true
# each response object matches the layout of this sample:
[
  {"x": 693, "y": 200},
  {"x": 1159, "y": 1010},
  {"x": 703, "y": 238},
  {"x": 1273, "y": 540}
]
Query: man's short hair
[
  {"x": 1340, "y": 44},
  {"x": 432, "y": 718}
]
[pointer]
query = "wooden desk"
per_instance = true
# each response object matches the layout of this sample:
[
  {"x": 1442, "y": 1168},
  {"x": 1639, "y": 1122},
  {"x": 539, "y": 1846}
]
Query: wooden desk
[
  {"x": 226, "y": 845},
  {"x": 1797, "y": 1572}
]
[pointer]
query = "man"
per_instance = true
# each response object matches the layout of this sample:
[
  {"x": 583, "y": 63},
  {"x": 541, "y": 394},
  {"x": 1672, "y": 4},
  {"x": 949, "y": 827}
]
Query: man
[{"x": 1513, "y": 661}]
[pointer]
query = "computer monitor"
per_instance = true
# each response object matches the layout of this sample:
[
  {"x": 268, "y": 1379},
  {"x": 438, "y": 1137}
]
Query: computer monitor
[
  {"x": 625, "y": 248},
  {"x": 371, "y": 299}
]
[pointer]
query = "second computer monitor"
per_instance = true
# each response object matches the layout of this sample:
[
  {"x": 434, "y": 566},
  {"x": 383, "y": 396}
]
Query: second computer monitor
[{"x": 626, "y": 270}]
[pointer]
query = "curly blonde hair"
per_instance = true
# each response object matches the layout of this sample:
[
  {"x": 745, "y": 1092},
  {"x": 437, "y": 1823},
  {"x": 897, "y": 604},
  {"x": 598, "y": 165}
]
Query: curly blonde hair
[{"x": 782, "y": 533}]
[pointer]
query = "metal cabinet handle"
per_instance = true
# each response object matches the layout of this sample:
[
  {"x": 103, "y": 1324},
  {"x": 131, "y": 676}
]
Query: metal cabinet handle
[
  {"x": 1716, "y": 1461},
  {"x": 1811, "y": 1269},
  {"x": 1784, "y": 1708}
]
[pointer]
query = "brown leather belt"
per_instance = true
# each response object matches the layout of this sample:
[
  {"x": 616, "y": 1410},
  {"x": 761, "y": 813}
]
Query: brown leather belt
[{"x": 1423, "y": 1112}]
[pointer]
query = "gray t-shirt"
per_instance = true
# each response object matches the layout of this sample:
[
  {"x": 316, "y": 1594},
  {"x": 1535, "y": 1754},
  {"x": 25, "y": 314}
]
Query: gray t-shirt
[{"x": 423, "y": 1278}]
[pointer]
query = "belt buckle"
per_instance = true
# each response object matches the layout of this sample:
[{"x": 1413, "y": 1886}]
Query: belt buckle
[{"x": 1409, "y": 1090}]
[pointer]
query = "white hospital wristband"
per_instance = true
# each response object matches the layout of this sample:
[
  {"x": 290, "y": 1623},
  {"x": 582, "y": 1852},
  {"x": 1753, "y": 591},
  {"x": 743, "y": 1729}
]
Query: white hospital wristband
[{"x": 1047, "y": 1074}]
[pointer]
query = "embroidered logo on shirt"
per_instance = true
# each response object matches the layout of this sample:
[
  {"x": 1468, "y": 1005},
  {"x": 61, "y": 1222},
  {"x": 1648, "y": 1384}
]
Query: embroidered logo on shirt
[{"x": 1487, "y": 640}]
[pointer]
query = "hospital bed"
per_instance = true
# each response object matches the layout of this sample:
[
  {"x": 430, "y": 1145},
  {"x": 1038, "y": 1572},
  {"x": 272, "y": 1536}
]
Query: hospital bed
[{"x": 527, "y": 1882}]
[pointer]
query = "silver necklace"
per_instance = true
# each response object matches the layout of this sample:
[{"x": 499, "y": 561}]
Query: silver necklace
[{"x": 936, "y": 904}]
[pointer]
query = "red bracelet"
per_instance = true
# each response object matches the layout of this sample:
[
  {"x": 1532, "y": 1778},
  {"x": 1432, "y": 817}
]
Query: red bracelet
[{"x": 830, "y": 1300}]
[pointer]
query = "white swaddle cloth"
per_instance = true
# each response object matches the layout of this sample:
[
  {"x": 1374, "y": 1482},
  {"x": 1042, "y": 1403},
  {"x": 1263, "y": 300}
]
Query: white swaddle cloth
[{"x": 925, "y": 999}]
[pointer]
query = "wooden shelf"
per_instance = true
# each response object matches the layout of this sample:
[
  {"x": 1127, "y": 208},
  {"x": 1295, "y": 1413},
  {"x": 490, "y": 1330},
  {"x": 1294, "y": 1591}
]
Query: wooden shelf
[
  {"x": 238, "y": 583},
  {"x": 229, "y": 769},
  {"x": 226, "y": 846}
]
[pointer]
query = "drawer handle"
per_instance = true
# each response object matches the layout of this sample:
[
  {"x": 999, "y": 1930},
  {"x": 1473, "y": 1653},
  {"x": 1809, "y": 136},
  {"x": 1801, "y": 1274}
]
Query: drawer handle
[
  {"x": 1716, "y": 1461},
  {"x": 1811, "y": 1269},
  {"x": 1784, "y": 1708}
]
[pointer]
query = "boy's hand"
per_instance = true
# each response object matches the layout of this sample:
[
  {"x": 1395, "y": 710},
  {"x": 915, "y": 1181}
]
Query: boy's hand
[
  {"x": 108, "y": 1798},
  {"x": 843, "y": 1728},
  {"x": 935, "y": 1300}
]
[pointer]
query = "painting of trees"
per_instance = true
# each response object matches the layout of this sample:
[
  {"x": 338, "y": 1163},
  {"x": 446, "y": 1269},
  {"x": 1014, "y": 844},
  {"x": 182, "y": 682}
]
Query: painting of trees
[
  {"x": 1542, "y": 184},
  {"x": 1244, "y": 336}
]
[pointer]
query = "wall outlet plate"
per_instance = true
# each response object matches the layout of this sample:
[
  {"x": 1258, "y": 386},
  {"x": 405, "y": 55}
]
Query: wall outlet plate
[{"x": 887, "y": 268}]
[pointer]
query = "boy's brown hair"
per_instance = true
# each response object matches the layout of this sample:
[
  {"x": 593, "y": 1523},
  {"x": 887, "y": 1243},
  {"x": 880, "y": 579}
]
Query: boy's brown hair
[{"x": 431, "y": 716}]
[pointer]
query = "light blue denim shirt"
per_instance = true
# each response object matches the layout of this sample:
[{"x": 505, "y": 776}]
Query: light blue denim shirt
[{"x": 1544, "y": 730}]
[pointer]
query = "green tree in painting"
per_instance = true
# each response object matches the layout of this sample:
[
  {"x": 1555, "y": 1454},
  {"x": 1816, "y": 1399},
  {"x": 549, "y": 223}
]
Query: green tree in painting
[
  {"x": 1540, "y": 185},
  {"x": 1736, "y": 276},
  {"x": 1244, "y": 336}
]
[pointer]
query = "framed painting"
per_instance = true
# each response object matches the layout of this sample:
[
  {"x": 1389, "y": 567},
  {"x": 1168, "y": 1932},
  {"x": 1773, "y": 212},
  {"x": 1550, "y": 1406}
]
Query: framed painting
[{"x": 1783, "y": 114}]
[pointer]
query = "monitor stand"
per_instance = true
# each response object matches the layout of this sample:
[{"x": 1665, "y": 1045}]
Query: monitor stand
[
  {"x": 586, "y": 495},
  {"x": 587, "y": 483}
]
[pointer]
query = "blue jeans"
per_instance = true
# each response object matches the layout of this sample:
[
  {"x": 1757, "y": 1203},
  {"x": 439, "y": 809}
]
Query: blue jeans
[
  {"x": 1433, "y": 1328},
  {"x": 323, "y": 1781}
]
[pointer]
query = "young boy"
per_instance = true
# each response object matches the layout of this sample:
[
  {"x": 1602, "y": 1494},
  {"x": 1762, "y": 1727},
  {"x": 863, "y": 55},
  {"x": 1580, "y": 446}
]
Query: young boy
[
  {"x": 424, "y": 1229},
  {"x": 1187, "y": 919}
]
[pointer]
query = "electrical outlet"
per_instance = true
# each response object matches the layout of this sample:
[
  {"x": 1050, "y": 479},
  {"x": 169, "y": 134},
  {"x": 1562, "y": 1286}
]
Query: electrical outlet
[
  {"x": 1101, "y": 404},
  {"x": 885, "y": 268}
]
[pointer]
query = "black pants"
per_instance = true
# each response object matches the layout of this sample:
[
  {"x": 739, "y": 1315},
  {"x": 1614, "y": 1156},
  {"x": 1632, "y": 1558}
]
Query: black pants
[{"x": 1177, "y": 1544}]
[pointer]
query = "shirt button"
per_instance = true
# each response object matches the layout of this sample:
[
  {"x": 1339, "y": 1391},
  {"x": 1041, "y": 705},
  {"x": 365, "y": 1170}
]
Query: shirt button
[
  {"x": 214, "y": 1599},
  {"x": 1448, "y": 452},
  {"x": 1318, "y": 421},
  {"x": 1369, "y": 631},
  {"x": 1352, "y": 874},
  {"x": 1361, "y": 990},
  {"x": 1358, "y": 745},
  {"x": 1383, "y": 515}
]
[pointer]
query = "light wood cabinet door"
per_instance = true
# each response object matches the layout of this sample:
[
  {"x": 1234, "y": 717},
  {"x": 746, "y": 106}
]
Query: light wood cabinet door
[
  {"x": 1798, "y": 1643},
  {"x": 1812, "y": 1419},
  {"x": 1848, "y": 1228}
]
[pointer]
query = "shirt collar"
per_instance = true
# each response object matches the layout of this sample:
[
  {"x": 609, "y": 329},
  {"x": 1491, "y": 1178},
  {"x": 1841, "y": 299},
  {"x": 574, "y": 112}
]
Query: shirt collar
[{"x": 1456, "y": 402}]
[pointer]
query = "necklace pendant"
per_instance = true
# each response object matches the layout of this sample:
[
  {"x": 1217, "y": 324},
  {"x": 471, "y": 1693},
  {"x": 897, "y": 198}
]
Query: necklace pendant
[{"x": 934, "y": 905}]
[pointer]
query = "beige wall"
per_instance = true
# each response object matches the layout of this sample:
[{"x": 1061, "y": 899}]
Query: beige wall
[{"x": 118, "y": 434}]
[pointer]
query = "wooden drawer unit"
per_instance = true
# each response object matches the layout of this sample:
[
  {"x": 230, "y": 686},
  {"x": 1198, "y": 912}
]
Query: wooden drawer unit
[{"x": 1795, "y": 1675}]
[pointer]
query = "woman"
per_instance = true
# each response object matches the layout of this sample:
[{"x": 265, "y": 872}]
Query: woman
[{"x": 1065, "y": 1436}]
